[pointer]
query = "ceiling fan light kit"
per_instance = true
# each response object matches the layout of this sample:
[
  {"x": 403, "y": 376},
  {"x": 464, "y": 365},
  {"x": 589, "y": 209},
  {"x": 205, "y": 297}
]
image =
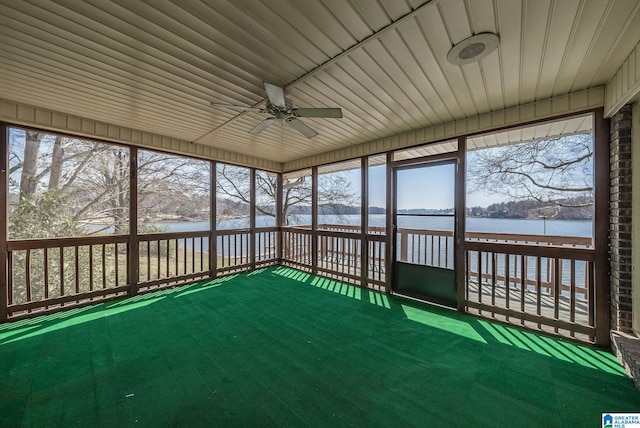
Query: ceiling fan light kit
[{"x": 281, "y": 110}]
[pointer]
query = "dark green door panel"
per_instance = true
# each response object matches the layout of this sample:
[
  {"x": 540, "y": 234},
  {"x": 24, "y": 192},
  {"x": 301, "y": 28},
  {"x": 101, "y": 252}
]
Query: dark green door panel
[{"x": 429, "y": 283}]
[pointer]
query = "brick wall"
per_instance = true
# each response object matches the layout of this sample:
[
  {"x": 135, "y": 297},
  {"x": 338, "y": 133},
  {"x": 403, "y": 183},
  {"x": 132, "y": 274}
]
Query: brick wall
[{"x": 620, "y": 220}]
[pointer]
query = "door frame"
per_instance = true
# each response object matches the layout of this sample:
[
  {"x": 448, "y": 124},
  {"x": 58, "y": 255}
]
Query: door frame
[{"x": 452, "y": 158}]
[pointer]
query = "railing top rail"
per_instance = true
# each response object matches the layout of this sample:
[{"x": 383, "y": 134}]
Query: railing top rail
[
  {"x": 350, "y": 227},
  {"x": 513, "y": 237},
  {"x": 297, "y": 229},
  {"x": 345, "y": 231},
  {"x": 551, "y": 239},
  {"x": 159, "y": 236},
  {"x": 405, "y": 230},
  {"x": 549, "y": 251},
  {"x": 338, "y": 234},
  {"x": 37, "y": 243}
]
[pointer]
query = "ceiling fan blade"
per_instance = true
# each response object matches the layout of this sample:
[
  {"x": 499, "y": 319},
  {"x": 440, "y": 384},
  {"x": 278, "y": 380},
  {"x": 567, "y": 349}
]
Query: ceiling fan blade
[
  {"x": 333, "y": 113},
  {"x": 301, "y": 127},
  {"x": 263, "y": 125},
  {"x": 234, "y": 107},
  {"x": 275, "y": 94}
]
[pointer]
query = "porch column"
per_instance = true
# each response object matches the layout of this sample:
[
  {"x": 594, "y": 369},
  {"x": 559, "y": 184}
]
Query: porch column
[
  {"x": 252, "y": 218},
  {"x": 134, "y": 243},
  {"x": 364, "y": 220},
  {"x": 279, "y": 216},
  {"x": 390, "y": 228},
  {"x": 314, "y": 219},
  {"x": 4, "y": 220},
  {"x": 213, "y": 239},
  {"x": 459, "y": 261},
  {"x": 620, "y": 221},
  {"x": 601, "y": 229}
]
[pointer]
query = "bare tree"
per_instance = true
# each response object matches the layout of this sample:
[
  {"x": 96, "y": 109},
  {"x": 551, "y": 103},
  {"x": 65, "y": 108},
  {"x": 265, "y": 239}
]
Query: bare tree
[
  {"x": 556, "y": 171},
  {"x": 90, "y": 182},
  {"x": 57, "y": 163},
  {"x": 28, "y": 179},
  {"x": 334, "y": 192}
]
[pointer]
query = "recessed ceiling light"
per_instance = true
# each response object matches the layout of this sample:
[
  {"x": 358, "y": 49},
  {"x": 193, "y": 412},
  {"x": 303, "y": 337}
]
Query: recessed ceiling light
[{"x": 473, "y": 48}]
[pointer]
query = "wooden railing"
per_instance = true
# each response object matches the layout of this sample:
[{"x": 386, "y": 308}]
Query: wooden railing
[
  {"x": 48, "y": 274},
  {"x": 240, "y": 249},
  {"x": 172, "y": 258},
  {"x": 425, "y": 247},
  {"x": 296, "y": 247},
  {"x": 548, "y": 287},
  {"x": 266, "y": 246},
  {"x": 233, "y": 250},
  {"x": 339, "y": 255},
  {"x": 544, "y": 280},
  {"x": 376, "y": 264},
  {"x": 338, "y": 252}
]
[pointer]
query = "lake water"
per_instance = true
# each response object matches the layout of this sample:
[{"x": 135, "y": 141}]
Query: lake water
[
  {"x": 474, "y": 224},
  {"x": 519, "y": 226}
]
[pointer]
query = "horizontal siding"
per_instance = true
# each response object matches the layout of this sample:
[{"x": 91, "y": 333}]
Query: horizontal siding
[
  {"x": 540, "y": 110},
  {"x": 624, "y": 86},
  {"x": 25, "y": 115}
]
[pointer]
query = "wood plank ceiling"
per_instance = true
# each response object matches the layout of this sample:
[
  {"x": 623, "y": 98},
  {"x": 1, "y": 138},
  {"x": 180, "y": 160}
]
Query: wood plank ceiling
[{"x": 156, "y": 65}]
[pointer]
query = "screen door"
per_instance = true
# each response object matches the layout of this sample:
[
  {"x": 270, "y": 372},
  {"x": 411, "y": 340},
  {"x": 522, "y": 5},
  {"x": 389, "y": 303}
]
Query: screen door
[{"x": 424, "y": 221}]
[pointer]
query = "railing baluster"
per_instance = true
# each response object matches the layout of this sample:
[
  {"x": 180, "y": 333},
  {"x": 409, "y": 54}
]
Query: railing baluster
[
  {"x": 433, "y": 250},
  {"x": 77, "y": 270},
  {"x": 480, "y": 277},
  {"x": 117, "y": 268},
  {"x": 235, "y": 249},
  {"x": 148, "y": 261},
  {"x": 468, "y": 275},
  {"x": 493, "y": 278},
  {"x": 590, "y": 292},
  {"x": 27, "y": 274},
  {"x": 46, "y": 273},
  {"x": 507, "y": 280},
  {"x": 557, "y": 263},
  {"x": 103, "y": 259},
  {"x": 184, "y": 255},
  {"x": 538, "y": 286},
  {"x": 193, "y": 254},
  {"x": 10, "y": 278},
  {"x": 177, "y": 259},
  {"x": 62, "y": 272},
  {"x": 90, "y": 267},
  {"x": 572, "y": 294},
  {"x": 523, "y": 284},
  {"x": 168, "y": 267}
]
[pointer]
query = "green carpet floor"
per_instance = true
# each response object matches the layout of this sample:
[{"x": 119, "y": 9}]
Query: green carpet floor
[{"x": 279, "y": 347}]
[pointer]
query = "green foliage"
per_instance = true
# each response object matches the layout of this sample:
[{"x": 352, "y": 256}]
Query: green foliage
[{"x": 48, "y": 215}]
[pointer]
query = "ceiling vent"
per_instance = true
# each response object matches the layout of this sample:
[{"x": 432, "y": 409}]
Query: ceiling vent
[{"x": 473, "y": 49}]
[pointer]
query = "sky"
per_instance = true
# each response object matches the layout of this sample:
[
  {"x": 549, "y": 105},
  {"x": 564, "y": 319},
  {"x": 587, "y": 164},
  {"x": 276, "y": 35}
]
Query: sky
[{"x": 426, "y": 187}]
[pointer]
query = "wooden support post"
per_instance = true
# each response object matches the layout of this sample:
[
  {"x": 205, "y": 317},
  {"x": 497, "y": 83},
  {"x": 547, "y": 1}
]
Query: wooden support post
[
  {"x": 252, "y": 218},
  {"x": 364, "y": 221},
  {"x": 459, "y": 262},
  {"x": 391, "y": 227},
  {"x": 279, "y": 216},
  {"x": 133, "y": 252},
  {"x": 314, "y": 219},
  {"x": 213, "y": 239},
  {"x": 4, "y": 221},
  {"x": 601, "y": 228}
]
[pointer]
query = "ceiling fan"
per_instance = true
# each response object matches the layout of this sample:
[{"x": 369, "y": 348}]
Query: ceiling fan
[{"x": 281, "y": 110}]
